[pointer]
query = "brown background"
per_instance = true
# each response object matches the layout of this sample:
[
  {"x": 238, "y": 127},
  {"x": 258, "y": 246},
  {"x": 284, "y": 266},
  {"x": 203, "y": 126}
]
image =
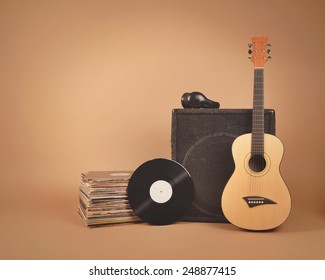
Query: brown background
[{"x": 90, "y": 85}]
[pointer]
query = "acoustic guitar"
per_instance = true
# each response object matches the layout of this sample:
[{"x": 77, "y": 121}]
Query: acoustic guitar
[{"x": 256, "y": 197}]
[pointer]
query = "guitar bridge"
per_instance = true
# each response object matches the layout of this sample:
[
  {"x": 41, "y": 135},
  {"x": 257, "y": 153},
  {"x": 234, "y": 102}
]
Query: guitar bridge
[{"x": 254, "y": 201}]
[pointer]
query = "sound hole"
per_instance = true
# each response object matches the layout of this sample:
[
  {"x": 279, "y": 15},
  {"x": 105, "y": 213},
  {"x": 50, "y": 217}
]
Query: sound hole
[{"x": 257, "y": 163}]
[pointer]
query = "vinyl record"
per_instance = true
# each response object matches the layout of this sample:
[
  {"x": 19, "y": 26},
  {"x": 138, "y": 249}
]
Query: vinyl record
[{"x": 160, "y": 191}]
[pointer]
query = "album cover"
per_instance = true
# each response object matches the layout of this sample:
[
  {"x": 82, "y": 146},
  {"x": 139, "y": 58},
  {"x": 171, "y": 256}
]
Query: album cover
[{"x": 103, "y": 198}]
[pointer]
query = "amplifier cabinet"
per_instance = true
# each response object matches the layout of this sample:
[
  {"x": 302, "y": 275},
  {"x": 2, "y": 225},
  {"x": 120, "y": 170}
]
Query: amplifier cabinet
[{"x": 201, "y": 142}]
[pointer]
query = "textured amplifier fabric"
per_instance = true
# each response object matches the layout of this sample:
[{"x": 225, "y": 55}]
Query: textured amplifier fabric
[{"x": 201, "y": 142}]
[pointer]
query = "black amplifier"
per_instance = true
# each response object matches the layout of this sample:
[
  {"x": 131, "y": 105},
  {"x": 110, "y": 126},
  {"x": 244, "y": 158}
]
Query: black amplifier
[{"x": 201, "y": 142}]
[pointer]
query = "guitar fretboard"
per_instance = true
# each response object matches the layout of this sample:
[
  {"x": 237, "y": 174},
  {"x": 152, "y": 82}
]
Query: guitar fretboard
[{"x": 258, "y": 113}]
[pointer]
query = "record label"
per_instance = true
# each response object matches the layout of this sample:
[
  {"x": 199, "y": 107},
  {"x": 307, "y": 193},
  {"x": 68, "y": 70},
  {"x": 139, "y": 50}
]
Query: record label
[{"x": 160, "y": 191}]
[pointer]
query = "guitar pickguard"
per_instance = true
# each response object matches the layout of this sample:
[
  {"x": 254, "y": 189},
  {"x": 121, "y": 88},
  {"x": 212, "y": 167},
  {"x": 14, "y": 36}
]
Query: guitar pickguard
[{"x": 254, "y": 201}]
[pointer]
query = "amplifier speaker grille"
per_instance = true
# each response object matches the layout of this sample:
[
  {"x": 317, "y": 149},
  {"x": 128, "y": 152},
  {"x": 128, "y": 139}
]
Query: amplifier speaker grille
[{"x": 201, "y": 142}]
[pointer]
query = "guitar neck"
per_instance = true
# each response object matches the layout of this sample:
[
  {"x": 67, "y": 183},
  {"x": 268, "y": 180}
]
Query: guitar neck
[{"x": 258, "y": 113}]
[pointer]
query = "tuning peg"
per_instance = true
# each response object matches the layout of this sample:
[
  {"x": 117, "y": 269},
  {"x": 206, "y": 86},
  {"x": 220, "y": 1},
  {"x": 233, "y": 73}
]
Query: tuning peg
[
  {"x": 250, "y": 51},
  {"x": 250, "y": 45},
  {"x": 268, "y": 51},
  {"x": 269, "y": 45},
  {"x": 249, "y": 57},
  {"x": 269, "y": 58}
]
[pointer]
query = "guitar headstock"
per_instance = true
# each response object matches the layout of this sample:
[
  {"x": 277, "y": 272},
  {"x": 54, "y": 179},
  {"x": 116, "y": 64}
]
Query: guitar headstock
[{"x": 259, "y": 51}]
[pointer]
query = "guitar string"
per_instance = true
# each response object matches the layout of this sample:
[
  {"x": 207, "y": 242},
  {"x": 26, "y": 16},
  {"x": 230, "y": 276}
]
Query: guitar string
[
  {"x": 253, "y": 152},
  {"x": 260, "y": 118},
  {"x": 257, "y": 128},
  {"x": 257, "y": 150},
  {"x": 253, "y": 139},
  {"x": 262, "y": 124},
  {"x": 261, "y": 158}
]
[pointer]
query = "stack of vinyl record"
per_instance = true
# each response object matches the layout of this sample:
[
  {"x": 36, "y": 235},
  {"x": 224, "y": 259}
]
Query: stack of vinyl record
[{"x": 103, "y": 198}]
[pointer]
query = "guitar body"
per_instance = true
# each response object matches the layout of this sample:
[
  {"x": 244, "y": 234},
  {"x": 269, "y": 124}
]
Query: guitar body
[{"x": 256, "y": 200}]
